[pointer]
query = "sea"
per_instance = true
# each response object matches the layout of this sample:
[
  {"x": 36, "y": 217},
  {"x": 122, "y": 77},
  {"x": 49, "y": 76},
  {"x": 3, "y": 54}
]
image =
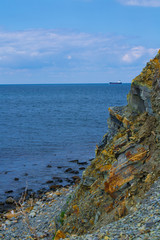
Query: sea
[{"x": 50, "y": 132}]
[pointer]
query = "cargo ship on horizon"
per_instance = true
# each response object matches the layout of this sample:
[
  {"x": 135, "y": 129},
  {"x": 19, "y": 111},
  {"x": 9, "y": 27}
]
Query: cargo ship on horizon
[{"x": 118, "y": 82}]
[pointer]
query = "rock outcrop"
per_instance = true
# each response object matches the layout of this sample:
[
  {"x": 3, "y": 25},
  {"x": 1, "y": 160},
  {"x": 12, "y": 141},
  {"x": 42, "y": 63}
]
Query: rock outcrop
[{"x": 127, "y": 162}]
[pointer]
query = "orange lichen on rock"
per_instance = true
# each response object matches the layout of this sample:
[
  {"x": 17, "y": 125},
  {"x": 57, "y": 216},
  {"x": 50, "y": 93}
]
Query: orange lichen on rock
[
  {"x": 137, "y": 156},
  {"x": 126, "y": 122},
  {"x": 105, "y": 167},
  {"x": 122, "y": 210},
  {"x": 104, "y": 152},
  {"x": 128, "y": 154},
  {"x": 157, "y": 63},
  {"x": 11, "y": 214},
  {"x": 76, "y": 209},
  {"x": 59, "y": 235},
  {"x": 148, "y": 178},
  {"x": 109, "y": 208},
  {"x": 116, "y": 180}
]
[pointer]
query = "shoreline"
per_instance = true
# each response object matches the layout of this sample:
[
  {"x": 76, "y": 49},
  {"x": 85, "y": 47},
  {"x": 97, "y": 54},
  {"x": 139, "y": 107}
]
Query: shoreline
[
  {"x": 53, "y": 184},
  {"x": 10, "y": 202}
]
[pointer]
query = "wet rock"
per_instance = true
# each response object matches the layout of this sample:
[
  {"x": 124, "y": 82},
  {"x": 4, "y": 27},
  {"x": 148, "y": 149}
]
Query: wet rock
[
  {"x": 82, "y": 168},
  {"x": 9, "y": 191},
  {"x": 49, "y": 181},
  {"x": 69, "y": 180},
  {"x": 49, "y": 166},
  {"x": 57, "y": 179},
  {"x": 68, "y": 170},
  {"x": 74, "y": 172},
  {"x": 74, "y": 161},
  {"x": 91, "y": 159},
  {"x": 16, "y": 179},
  {"x": 82, "y": 163},
  {"x": 55, "y": 187},
  {"x": 76, "y": 179}
]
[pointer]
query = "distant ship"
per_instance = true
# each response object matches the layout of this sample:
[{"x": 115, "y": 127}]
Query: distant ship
[{"x": 118, "y": 82}]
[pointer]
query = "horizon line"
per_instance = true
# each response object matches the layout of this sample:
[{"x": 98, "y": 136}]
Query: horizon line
[{"x": 57, "y": 83}]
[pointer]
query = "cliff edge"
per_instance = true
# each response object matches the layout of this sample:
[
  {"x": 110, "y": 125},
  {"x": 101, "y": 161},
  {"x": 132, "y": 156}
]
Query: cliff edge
[{"x": 127, "y": 162}]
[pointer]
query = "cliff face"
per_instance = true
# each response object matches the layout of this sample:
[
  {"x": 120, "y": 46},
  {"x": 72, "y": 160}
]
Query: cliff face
[{"x": 127, "y": 161}]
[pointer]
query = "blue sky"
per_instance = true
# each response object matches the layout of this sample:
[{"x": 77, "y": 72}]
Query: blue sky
[{"x": 76, "y": 41}]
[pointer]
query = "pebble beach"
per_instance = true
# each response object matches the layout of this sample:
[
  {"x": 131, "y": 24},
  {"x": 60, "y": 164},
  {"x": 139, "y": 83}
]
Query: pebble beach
[{"x": 143, "y": 223}]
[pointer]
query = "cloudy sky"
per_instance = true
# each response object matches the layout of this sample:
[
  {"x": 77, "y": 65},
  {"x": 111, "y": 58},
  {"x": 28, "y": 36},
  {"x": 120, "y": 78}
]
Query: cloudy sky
[{"x": 76, "y": 41}]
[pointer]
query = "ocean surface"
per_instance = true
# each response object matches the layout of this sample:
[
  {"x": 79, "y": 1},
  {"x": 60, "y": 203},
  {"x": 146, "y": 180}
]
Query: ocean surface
[{"x": 44, "y": 127}]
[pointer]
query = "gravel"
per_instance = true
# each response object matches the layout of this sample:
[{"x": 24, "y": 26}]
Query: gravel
[{"x": 143, "y": 223}]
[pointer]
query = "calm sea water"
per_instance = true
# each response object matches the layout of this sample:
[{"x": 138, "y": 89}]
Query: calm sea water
[{"x": 43, "y": 125}]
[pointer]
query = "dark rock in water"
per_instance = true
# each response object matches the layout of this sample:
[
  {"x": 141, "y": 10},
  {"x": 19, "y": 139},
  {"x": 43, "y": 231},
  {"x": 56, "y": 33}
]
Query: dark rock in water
[
  {"x": 49, "y": 181},
  {"x": 82, "y": 168},
  {"x": 1, "y": 203},
  {"x": 91, "y": 159},
  {"x": 57, "y": 179},
  {"x": 59, "y": 167},
  {"x": 68, "y": 170},
  {"x": 16, "y": 179},
  {"x": 10, "y": 200},
  {"x": 55, "y": 187},
  {"x": 74, "y": 161},
  {"x": 40, "y": 191},
  {"x": 76, "y": 179},
  {"x": 26, "y": 174},
  {"x": 29, "y": 190},
  {"x": 82, "y": 163},
  {"x": 49, "y": 166},
  {"x": 74, "y": 172},
  {"x": 9, "y": 191},
  {"x": 69, "y": 180}
]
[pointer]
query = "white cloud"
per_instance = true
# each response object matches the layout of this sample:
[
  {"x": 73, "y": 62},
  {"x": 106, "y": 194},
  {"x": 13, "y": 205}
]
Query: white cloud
[
  {"x": 142, "y": 3},
  {"x": 48, "y": 53},
  {"x": 41, "y": 48},
  {"x": 137, "y": 52},
  {"x": 69, "y": 57}
]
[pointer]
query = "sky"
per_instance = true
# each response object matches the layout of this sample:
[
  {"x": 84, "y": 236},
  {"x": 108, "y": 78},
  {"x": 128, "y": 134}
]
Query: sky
[{"x": 76, "y": 41}]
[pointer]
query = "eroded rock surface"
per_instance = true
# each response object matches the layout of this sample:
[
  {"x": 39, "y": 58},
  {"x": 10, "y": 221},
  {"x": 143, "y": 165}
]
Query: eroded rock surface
[{"x": 127, "y": 162}]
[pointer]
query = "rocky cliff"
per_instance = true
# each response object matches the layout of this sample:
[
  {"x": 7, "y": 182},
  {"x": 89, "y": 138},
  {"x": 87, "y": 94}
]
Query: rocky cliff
[{"x": 127, "y": 161}]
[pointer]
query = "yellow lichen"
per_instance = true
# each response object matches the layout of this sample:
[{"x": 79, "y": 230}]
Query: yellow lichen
[
  {"x": 76, "y": 209},
  {"x": 59, "y": 235},
  {"x": 105, "y": 167}
]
